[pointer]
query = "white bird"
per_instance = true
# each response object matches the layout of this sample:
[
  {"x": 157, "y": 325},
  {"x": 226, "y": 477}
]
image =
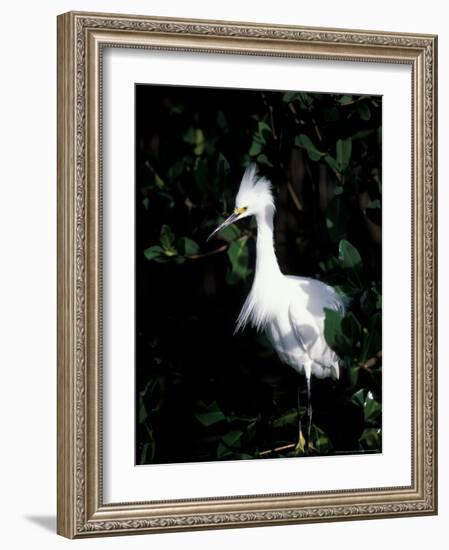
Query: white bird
[{"x": 289, "y": 309}]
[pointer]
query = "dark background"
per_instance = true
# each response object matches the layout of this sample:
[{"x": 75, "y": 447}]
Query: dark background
[{"x": 202, "y": 393}]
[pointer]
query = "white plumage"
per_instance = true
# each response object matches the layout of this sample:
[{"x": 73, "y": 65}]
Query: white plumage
[{"x": 289, "y": 309}]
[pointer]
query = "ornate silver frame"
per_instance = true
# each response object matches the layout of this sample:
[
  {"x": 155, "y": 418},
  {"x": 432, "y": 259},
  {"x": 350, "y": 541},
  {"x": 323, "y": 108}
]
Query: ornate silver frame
[{"x": 81, "y": 38}]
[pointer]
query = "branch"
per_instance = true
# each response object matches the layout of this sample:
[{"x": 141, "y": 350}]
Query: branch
[
  {"x": 277, "y": 449},
  {"x": 295, "y": 114},
  {"x": 315, "y": 126},
  {"x": 270, "y": 109},
  {"x": 284, "y": 448},
  {"x": 371, "y": 362},
  {"x": 294, "y": 196},
  {"x": 361, "y": 98},
  {"x": 221, "y": 248},
  {"x": 210, "y": 253}
]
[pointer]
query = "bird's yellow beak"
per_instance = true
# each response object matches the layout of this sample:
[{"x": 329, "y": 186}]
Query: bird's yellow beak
[{"x": 232, "y": 218}]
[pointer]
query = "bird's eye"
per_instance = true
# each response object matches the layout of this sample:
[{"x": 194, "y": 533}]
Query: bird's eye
[{"x": 240, "y": 210}]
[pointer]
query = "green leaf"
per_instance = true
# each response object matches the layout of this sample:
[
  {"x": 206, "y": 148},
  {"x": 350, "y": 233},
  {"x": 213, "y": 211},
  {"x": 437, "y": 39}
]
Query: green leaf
[
  {"x": 195, "y": 137},
  {"x": 349, "y": 256},
  {"x": 364, "y": 111},
  {"x": 371, "y": 439},
  {"x": 332, "y": 327},
  {"x": 344, "y": 150},
  {"x": 199, "y": 142},
  {"x": 288, "y": 97},
  {"x": 158, "y": 181},
  {"x": 238, "y": 256},
  {"x": 351, "y": 328},
  {"x": 222, "y": 123},
  {"x": 305, "y": 100},
  {"x": 251, "y": 429},
  {"x": 359, "y": 397},
  {"x": 306, "y": 143},
  {"x": 146, "y": 203},
  {"x": 344, "y": 100},
  {"x": 260, "y": 138},
  {"x": 372, "y": 337},
  {"x": 144, "y": 453},
  {"x": 223, "y": 451},
  {"x": 321, "y": 440},
  {"x": 190, "y": 136},
  {"x": 211, "y": 415},
  {"x": 233, "y": 438},
  {"x": 374, "y": 204},
  {"x": 179, "y": 259},
  {"x": 223, "y": 168},
  {"x": 341, "y": 332},
  {"x": 143, "y": 415},
  {"x": 374, "y": 212},
  {"x": 188, "y": 247},
  {"x": 288, "y": 418},
  {"x": 153, "y": 252},
  {"x": 263, "y": 159},
  {"x": 167, "y": 237},
  {"x": 352, "y": 375},
  {"x": 372, "y": 408},
  {"x": 337, "y": 217},
  {"x": 201, "y": 174},
  {"x": 263, "y": 128},
  {"x": 331, "y": 114},
  {"x": 361, "y": 134},
  {"x": 255, "y": 149},
  {"x": 328, "y": 264},
  {"x": 148, "y": 452},
  {"x": 229, "y": 233},
  {"x": 332, "y": 163},
  {"x": 351, "y": 262},
  {"x": 371, "y": 301},
  {"x": 162, "y": 259}
]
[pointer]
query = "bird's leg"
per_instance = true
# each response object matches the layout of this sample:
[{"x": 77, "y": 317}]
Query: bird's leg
[
  {"x": 300, "y": 446},
  {"x": 308, "y": 374},
  {"x": 309, "y": 410}
]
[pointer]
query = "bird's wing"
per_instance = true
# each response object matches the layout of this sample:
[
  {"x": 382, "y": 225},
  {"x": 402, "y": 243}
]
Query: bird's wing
[
  {"x": 306, "y": 313},
  {"x": 317, "y": 295}
]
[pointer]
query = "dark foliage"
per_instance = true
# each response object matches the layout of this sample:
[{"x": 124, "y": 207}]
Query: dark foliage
[{"x": 202, "y": 393}]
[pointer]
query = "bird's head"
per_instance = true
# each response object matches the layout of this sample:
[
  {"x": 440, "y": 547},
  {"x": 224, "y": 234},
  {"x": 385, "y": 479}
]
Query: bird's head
[{"x": 253, "y": 198}]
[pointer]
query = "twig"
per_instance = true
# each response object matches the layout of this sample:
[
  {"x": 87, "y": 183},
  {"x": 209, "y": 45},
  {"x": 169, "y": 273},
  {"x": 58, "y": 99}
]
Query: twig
[
  {"x": 308, "y": 170},
  {"x": 315, "y": 126},
  {"x": 221, "y": 248},
  {"x": 295, "y": 114},
  {"x": 294, "y": 196},
  {"x": 210, "y": 253},
  {"x": 361, "y": 98},
  {"x": 270, "y": 109},
  {"x": 284, "y": 448},
  {"x": 273, "y": 131},
  {"x": 371, "y": 362},
  {"x": 277, "y": 449}
]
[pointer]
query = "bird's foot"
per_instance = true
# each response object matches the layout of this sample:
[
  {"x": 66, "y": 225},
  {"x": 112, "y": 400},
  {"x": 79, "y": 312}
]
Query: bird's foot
[{"x": 301, "y": 446}]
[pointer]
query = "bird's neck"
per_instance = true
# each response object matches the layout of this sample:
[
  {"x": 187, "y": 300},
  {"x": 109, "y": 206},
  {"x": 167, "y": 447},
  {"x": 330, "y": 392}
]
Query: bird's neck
[
  {"x": 261, "y": 303},
  {"x": 267, "y": 267}
]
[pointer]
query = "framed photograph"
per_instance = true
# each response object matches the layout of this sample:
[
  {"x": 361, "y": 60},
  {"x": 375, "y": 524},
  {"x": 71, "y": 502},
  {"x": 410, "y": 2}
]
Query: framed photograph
[{"x": 246, "y": 274}]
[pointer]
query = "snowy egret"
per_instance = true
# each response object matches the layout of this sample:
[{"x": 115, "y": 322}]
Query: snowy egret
[{"x": 289, "y": 309}]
